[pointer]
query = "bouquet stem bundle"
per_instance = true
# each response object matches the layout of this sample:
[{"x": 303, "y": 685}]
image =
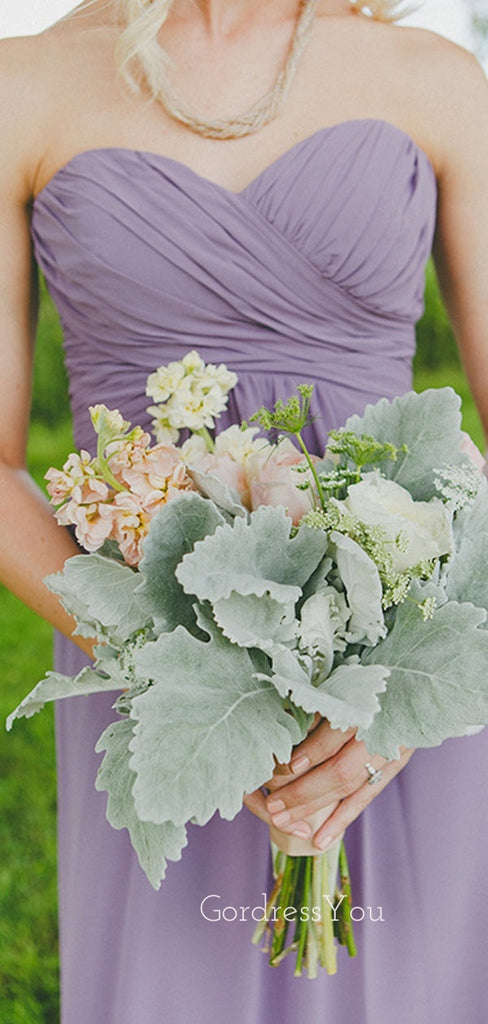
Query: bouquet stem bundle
[{"x": 313, "y": 894}]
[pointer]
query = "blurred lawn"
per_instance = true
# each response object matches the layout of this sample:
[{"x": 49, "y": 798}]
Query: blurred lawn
[
  {"x": 28, "y": 925},
  {"x": 28, "y": 952}
]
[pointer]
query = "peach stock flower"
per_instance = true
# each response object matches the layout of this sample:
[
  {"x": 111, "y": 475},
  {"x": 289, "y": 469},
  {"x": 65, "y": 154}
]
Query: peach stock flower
[
  {"x": 63, "y": 483},
  {"x": 92, "y": 522},
  {"x": 138, "y": 480}
]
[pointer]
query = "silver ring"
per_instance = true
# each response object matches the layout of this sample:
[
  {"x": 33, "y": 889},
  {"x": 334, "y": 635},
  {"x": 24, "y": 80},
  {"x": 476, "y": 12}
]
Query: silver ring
[{"x": 374, "y": 775}]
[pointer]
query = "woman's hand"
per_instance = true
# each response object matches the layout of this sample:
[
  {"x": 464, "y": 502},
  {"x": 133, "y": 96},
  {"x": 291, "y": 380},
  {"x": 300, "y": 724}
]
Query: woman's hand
[{"x": 327, "y": 770}]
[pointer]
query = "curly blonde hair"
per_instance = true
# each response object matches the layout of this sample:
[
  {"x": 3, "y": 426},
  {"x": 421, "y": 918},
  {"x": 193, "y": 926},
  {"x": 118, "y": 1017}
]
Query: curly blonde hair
[{"x": 142, "y": 60}]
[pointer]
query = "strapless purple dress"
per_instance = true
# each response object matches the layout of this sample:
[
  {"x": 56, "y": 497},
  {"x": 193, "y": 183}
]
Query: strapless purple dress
[{"x": 313, "y": 272}]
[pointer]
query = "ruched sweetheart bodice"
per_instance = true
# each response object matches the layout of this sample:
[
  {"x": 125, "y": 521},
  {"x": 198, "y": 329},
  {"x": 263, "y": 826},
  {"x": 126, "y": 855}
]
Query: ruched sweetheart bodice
[{"x": 315, "y": 269}]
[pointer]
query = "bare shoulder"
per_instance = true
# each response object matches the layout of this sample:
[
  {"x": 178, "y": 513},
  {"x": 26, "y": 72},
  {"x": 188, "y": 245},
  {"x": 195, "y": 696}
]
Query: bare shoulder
[
  {"x": 36, "y": 74},
  {"x": 22, "y": 103},
  {"x": 437, "y": 63},
  {"x": 446, "y": 90}
]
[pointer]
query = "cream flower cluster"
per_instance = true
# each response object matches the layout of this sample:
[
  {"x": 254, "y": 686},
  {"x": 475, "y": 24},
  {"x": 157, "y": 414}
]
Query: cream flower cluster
[{"x": 188, "y": 394}]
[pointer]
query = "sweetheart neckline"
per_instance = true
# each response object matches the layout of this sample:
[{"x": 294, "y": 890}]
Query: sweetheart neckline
[{"x": 186, "y": 169}]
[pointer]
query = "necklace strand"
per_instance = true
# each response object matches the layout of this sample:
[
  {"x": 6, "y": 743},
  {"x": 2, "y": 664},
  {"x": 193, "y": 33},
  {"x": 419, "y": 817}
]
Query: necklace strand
[{"x": 266, "y": 108}]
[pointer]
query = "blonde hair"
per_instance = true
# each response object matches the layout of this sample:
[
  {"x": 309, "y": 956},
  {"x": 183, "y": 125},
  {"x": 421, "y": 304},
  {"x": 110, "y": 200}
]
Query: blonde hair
[{"x": 143, "y": 61}]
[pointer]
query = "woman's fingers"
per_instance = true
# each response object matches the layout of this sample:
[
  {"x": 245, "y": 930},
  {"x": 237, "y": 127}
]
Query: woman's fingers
[
  {"x": 337, "y": 779},
  {"x": 320, "y": 745},
  {"x": 329, "y": 769},
  {"x": 256, "y": 802},
  {"x": 350, "y": 808},
  {"x": 329, "y": 782}
]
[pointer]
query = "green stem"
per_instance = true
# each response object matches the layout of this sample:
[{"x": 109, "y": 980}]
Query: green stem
[
  {"x": 328, "y": 958},
  {"x": 262, "y": 925},
  {"x": 281, "y": 924},
  {"x": 104, "y": 466},
  {"x": 312, "y": 468},
  {"x": 345, "y": 908},
  {"x": 303, "y": 924},
  {"x": 207, "y": 437}
]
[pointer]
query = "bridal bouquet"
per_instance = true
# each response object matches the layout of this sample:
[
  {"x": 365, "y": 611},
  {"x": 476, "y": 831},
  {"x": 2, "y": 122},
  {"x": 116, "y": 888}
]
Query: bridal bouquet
[{"x": 238, "y": 588}]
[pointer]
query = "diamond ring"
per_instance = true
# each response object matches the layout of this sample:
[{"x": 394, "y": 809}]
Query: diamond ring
[{"x": 374, "y": 775}]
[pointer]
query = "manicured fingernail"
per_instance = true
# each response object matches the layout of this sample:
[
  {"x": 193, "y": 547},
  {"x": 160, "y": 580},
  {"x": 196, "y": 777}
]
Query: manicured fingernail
[
  {"x": 301, "y": 830},
  {"x": 275, "y": 805},
  {"x": 323, "y": 842},
  {"x": 281, "y": 819},
  {"x": 297, "y": 764}
]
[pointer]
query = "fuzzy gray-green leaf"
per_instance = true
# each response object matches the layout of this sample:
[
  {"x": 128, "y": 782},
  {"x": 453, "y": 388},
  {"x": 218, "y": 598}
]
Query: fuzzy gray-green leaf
[
  {"x": 206, "y": 732},
  {"x": 435, "y": 688},
  {"x": 174, "y": 531},
  {"x": 56, "y": 686},
  {"x": 253, "y": 557},
  {"x": 429, "y": 425},
  {"x": 467, "y": 579},
  {"x": 347, "y": 697},
  {"x": 101, "y": 592},
  {"x": 154, "y": 844}
]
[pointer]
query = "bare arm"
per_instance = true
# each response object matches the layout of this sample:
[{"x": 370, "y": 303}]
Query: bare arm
[
  {"x": 32, "y": 545},
  {"x": 461, "y": 242}
]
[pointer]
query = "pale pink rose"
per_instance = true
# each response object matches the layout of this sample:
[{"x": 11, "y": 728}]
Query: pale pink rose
[
  {"x": 228, "y": 471},
  {"x": 469, "y": 448},
  {"x": 273, "y": 480}
]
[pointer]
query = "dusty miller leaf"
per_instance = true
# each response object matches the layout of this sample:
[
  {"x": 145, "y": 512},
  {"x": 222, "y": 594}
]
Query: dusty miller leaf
[
  {"x": 429, "y": 424},
  {"x": 206, "y": 732},
  {"x": 435, "y": 688},
  {"x": 347, "y": 697},
  {"x": 100, "y": 592},
  {"x": 467, "y": 579},
  {"x": 173, "y": 533},
  {"x": 364, "y": 592},
  {"x": 220, "y": 493},
  {"x": 154, "y": 844},
  {"x": 252, "y": 621},
  {"x": 254, "y": 557},
  {"x": 57, "y": 686}
]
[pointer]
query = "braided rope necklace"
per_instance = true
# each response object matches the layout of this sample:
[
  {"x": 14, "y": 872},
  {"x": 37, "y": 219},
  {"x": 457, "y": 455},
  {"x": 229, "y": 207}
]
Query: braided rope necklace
[{"x": 265, "y": 109}]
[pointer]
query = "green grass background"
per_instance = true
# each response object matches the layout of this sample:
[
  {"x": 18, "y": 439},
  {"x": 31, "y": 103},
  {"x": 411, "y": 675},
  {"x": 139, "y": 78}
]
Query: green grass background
[{"x": 28, "y": 932}]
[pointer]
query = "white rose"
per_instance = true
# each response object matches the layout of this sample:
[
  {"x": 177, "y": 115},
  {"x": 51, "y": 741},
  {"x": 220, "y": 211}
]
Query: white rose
[{"x": 421, "y": 528}]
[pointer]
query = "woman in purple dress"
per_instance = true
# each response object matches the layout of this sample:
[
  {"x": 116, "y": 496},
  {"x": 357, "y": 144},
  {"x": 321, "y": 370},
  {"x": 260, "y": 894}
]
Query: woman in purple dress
[{"x": 289, "y": 241}]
